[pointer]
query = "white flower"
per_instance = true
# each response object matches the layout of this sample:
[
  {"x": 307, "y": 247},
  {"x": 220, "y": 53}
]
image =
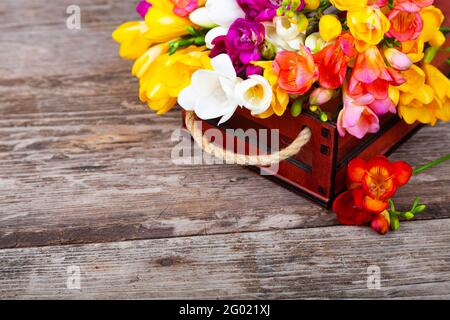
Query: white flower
[
  {"x": 284, "y": 34},
  {"x": 217, "y": 12},
  {"x": 211, "y": 93},
  {"x": 254, "y": 94},
  {"x": 214, "y": 33},
  {"x": 315, "y": 43},
  {"x": 218, "y": 92},
  {"x": 201, "y": 17}
]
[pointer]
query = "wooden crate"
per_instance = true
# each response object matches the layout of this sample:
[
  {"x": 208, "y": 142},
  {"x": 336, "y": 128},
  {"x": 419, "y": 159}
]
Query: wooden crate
[{"x": 318, "y": 171}]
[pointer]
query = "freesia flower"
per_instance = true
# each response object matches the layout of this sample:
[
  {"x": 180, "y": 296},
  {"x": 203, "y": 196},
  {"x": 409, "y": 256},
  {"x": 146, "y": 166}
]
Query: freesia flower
[
  {"x": 332, "y": 61},
  {"x": 320, "y": 96},
  {"x": 372, "y": 78},
  {"x": 405, "y": 26},
  {"x": 280, "y": 98},
  {"x": 414, "y": 49},
  {"x": 296, "y": 71},
  {"x": 262, "y": 10},
  {"x": 167, "y": 75},
  {"x": 130, "y": 35},
  {"x": 425, "y": 97},
  {"x": 412, "y": 5},
  {"x": 315, "y": 43},
  {"x": 241, "y": 43},
  {"x": 142, "y": 7},
  {"x": 221, "y": 13},
  {"x": 432, "y": 20},
  {"x": 349, "y": 5},
  {"x": 213, "y": 34},
  {"x": 368, "y": 26},
  {"x": 254, "y": 94},
  {"x": 371, "y": 184},
  {"x": 397, "y": 59},
  {"x": 356, "y": 117},
  {"x": 284, "y": 34},
  {"x": 184, "y": 7},
  {"x": 163, "y": 24},
  {"x": 218, "y": 92},
  {"x": 329, "y": 27},
  {"x": 144, "y": 62}
]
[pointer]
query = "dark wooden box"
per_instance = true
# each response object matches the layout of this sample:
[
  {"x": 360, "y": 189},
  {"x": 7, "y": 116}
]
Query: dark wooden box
[{"x": 318, "y": 171}]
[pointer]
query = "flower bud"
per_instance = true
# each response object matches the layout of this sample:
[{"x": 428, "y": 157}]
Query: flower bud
[
  {"x": 296, "y": 108},
  {"x": 380, "y": 224},
  {"x": 329, "y": 27},
  {"x": 398, "y": 60},
  {"x": 321, "y": 96},
  {"x": 314, "y": 42},
  {"x": 201, "y": 18},
  {"x": 312, "y": 4},
  {"x": 409, "y": 215}
]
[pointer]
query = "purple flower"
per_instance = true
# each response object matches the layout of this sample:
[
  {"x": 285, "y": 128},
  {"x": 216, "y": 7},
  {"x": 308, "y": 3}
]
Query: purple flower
[
  {"x": 242, "y": 44},
  {"x": 142, "y": 8},
  {"x": 260, "y": 10}
]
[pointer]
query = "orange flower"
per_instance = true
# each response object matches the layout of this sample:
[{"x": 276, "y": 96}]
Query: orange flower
[
  {"x": 371, "y": 78},
  {"x": 333, "y": 61},
  {"x": 296, "y": 71},
  {"x": 374, "y": 182}
]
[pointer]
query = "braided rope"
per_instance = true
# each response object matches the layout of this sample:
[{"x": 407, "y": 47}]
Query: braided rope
[{"x": 241, "y": 159}]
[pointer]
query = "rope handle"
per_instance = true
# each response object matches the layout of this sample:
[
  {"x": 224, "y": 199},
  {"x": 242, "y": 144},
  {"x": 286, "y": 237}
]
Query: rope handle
[{"x": 241, "y": 159}]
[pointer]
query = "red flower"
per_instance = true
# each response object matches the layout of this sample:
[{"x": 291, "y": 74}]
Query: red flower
[
  {"x": 332, "y": 61},
  {"x": 379, "y": 180},
  {"x": 371, "y": 184}
]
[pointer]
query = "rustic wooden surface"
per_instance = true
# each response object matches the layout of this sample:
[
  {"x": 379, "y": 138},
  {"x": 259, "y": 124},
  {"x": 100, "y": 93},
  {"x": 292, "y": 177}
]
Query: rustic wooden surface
[{"x": 86, "y": 179}]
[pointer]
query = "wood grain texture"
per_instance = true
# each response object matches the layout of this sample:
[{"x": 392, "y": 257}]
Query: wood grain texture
[
  {"x": 82, "y": 161},
  {"x": 308, "y": 263}
]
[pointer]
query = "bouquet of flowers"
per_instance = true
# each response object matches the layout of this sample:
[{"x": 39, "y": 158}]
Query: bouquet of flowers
[
  {"x": 268, "y": 56},
  {"x": 374, "y": 57}
]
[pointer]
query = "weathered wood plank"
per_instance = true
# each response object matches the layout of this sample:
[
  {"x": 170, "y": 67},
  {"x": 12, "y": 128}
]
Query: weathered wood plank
[
  {"x": 82, "y": 161},
  {"x": 327, "y": 262}
]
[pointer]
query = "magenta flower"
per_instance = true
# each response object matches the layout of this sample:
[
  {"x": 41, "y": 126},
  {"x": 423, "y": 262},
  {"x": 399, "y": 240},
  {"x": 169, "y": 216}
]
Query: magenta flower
[
  {"x": 142, "y": 8},
  {"x": 242, "y": 44},
  {"x": 263, "y": 10}
]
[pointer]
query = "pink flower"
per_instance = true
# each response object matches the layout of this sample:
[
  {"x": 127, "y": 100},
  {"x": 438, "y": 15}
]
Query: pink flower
[
  {"x": 356, "y": 117},
  {"x": 412, "y": 5},
  {"x": 405, "y": 25},
  {"x": 370, "y": 81},
  {"x": 397, "y": 59},
  {"x": 378, "y": 3},
  {"x": 184, "y": 7}
]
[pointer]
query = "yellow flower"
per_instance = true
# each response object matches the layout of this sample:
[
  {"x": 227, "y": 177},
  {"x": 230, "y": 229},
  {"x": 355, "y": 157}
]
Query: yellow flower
[
  {"x": 349, "y": 5},
  {"x": 414, "y": 49},
  {"x": 161, "y": 84},
  {"x": 368, "y": 26},
  {"x": 330, "y": 27},
  {"x": 425, "y": 97},
  {"x": 144, "y": 62},
  {"x": 163, "y": 24},
  {"x": 280, "y": 98},
  {"x": 130, "y": 35},
  {"x": 432, "y": 21}
]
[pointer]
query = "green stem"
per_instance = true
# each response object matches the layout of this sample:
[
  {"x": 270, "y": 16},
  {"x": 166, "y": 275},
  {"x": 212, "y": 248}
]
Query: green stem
[{"x": 431, "y": 164}]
